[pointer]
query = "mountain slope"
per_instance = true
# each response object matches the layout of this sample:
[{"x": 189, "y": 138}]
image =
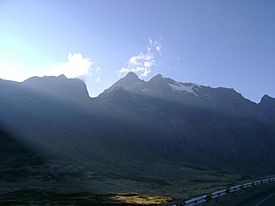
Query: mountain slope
[
  {"x": 201, "y": 136},
  {"x": 136, "y": 123},
  {"x": 267, "y": 106},
  {"x": 220, "y": 99},
  {"x": 60, "y": 87},
  {"x": 15, "y": 157}
]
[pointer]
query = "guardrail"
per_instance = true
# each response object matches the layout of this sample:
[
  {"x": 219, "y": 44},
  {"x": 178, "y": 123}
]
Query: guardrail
[
  {"x": 214, "y": 195},
  {"x": 196, "y": 200},
  {"x": 235, "y": 188},
  {"x": 217, "y": 194}
]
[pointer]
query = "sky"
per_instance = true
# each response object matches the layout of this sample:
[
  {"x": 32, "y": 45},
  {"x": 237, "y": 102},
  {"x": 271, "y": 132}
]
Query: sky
[{"x": 228, "y": 43}]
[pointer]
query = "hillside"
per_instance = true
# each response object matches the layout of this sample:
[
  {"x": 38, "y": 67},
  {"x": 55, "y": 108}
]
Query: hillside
[{"x": 139, "y": 134}]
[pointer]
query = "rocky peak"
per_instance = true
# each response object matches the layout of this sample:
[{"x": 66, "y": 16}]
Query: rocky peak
[
  {"x": 131, "y": 76},
  {"x": 267, "y": 99},
  {"x": 267, "y": 102},
  {"x": 59, "y": 86}
]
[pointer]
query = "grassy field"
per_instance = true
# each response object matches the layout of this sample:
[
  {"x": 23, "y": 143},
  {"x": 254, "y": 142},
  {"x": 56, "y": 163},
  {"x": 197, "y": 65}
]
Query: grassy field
[
  {"x": 158, "y": 185},
  {"x": 36, "y": 197}
]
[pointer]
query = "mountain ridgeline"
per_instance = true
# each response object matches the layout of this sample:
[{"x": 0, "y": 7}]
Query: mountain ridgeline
[{"x": 135, "y": 125}]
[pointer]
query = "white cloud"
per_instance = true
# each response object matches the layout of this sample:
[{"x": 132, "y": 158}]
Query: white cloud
[
  {"x": 77, "y": 66},
  {"x": 9, "y": 74},
  {"x": 142, "y": 63},
  {"x": 133, "y": 60},
  {"x": 158, "y": 48}
]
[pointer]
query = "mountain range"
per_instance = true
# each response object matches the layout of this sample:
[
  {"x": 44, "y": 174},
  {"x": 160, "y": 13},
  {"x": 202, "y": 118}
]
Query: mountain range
[{"x": 136, "y": 130}]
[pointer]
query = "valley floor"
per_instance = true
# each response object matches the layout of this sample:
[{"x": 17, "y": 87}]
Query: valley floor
[{"x": 115, "y": 190}]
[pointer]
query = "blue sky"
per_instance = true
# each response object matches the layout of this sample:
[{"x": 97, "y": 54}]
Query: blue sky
[{"x": 228, "y": 43}]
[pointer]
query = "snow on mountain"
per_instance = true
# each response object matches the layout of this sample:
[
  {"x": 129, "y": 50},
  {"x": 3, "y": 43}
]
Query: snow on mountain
[
  {"x": 181, "y": 87},
  {"x": 157, "y": 86}
]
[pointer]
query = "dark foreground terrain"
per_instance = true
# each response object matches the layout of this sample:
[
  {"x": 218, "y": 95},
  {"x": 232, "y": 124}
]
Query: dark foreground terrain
[
  {"x": 39, "y": 197},
  {"x": 263, "y": 195}
]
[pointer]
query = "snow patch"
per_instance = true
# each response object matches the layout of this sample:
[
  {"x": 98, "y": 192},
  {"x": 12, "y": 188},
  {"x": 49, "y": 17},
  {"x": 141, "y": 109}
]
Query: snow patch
[{"x": 180, "y": 87}]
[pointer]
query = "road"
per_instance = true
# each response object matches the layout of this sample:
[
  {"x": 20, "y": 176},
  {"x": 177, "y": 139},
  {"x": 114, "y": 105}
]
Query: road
[{"x": 266, "y": 198}]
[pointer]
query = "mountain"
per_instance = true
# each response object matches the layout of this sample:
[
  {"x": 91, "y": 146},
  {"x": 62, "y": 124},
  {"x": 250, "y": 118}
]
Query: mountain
[
  {"x": 217, "y": 125},
  {"x": 219, "y": 99},
  {"x": 138, "y": 131},
  {"x": 267, "y": 105},
  {"x": 223, "y": 127},
  {"x": 60, "y": 87}
]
